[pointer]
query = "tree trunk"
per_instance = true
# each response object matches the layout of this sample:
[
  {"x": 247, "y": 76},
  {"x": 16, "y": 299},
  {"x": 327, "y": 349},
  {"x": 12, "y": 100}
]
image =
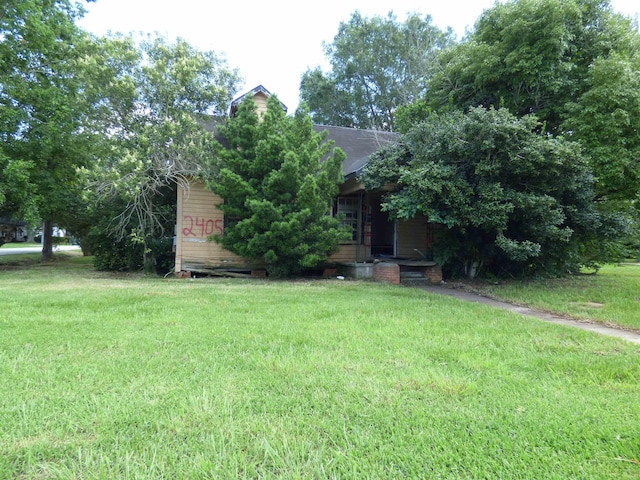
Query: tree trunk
[
  {"x": 638, "y": 259},
  {"x": 84, "y": 246},
  {"x": 47, "y": 241},
  {"x": 148, "y": 260}
]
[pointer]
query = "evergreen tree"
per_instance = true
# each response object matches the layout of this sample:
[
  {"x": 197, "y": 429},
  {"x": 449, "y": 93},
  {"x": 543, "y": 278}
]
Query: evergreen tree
[{"x": 278, "y": 178}]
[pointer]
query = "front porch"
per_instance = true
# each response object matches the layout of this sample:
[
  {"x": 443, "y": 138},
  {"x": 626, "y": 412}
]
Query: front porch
[{"x": 397, "y": 251}]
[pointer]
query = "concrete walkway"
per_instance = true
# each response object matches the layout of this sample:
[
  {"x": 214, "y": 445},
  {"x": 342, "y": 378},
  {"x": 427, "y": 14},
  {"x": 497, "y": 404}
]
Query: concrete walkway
[
  {"x": 19, "y": 250},
  {"x": 462, "y": 294}
]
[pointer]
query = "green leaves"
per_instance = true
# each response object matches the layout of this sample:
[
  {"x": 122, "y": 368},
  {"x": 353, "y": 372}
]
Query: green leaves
[
  {"x": 180, "y": 78},
  {"x": 42, "y": 108},
  {"x": 278, "y": 179},
  {"x": 512, "y": 199},
  {"x": 377, "y": 64},
  {"x": 156, "y": 100},
  {"x": 606, "y": 120},
  {"x": 574, "y": 64},
  {"x": 530, "y": 56}
]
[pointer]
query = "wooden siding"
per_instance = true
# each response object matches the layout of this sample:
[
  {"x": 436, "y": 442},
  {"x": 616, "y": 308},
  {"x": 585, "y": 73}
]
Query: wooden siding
[
  {"x": 261, "y": 102},
  {"x": 350, "y": 254},
  {"x": 198, "y": 218},
  {"x": 412, "y": 236}
]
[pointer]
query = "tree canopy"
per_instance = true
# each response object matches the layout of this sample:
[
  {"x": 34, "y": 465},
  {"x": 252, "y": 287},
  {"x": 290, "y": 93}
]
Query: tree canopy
[
  {"x": 91, "y": 122},
  {"x": 278, "y": 178},
  {"x": 514, "y": 201},
  {"x": 572, "y": 63},
  {"x": 42, "y": 109},
  {"x": 157, "y": 97},
  {"x": 377, "y": 64}
]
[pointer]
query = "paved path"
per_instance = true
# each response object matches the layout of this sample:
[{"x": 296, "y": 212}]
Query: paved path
[
  {"x": 548, "y": 317},
  {"x": 17, "y": 251}
]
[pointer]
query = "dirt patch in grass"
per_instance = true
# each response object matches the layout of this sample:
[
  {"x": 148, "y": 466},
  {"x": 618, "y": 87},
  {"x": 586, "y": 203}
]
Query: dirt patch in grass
[
  {"x": 594, "y": 304},
  {"x": 589, "y": 304}
]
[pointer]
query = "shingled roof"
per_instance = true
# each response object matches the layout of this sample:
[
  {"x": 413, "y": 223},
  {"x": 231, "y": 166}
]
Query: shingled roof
[{"x": 358, "y": 144}]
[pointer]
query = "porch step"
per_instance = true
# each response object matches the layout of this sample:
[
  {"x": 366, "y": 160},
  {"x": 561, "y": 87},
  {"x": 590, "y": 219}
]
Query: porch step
[
  {"x": 414, "y": 279},
  {"x": 411, "y": 275}
]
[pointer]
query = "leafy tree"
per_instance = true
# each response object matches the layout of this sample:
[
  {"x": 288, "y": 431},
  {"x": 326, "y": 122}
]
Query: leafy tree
[
  {"x": 42, "y": 109},
  {"x": 531, "y": 56},
  {"x": 573, "y": 63},
  {"x": 155, "y": 98},
  {"x": 278, "y": 178},
  {"x": 514, "y": 201},
  {"x": 377, "y": 64},
  {"x": 605, "y": 119}
]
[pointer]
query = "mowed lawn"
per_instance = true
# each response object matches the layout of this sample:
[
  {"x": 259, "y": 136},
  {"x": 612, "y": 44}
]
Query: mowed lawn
[
  {"x": 122, "y": 376},
  {"x": 612, "y": 296}
]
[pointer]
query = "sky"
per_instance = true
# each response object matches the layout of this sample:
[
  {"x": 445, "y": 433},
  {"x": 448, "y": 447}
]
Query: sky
[{"x": 272, "y": 43}]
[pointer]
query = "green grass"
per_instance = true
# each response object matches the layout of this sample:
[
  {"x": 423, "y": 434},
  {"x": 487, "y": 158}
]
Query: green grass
[
  {"x": 612, "y": 296},
  {"x": 120, "y": 376},
  {"x": 20, "y": 245}
]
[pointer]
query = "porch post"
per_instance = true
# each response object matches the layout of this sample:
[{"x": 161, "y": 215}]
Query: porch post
[{"x": 395, "y": 238}]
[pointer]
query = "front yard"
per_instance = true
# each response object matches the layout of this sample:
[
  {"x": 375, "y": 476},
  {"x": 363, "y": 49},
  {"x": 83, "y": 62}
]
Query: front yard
[
  {"x": 122, "y": 376},
  {"x": 612, "y": 296}
]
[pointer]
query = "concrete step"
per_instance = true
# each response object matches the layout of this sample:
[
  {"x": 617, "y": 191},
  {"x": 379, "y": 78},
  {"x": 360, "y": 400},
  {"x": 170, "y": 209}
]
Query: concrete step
[
  {"x": 411, "y": 275},
  {"x": 416, "y": 281}
]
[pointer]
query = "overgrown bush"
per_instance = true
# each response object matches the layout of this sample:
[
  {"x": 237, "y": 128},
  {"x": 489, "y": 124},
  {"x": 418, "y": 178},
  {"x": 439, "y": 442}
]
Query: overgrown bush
[
  {"x": 278, "y": 178},
  {"x": 515, "y": 200},
  {"x": 111, "y": 254}
]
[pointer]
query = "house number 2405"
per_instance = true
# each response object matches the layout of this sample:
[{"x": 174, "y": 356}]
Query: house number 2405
[{"x": 201, "y": 227}]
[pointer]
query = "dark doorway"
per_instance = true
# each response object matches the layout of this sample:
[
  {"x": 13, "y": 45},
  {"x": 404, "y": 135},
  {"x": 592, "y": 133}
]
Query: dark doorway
[{"x": 382, "y": 229}]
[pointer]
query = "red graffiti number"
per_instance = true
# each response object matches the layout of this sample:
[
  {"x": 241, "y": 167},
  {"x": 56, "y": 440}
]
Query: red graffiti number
[{"x": 201, "y": 227}]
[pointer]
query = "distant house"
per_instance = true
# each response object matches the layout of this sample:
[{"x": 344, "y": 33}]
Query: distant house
[
  {"x": 378, "y": 246},
  {"x": 12, "y": 230}
]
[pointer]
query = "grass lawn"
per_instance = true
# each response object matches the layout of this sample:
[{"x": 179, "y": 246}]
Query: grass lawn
[
  {"x": 122, "y": 376},
  {"x": 612, "y": 296},
  {"x": 20, "y": 245}
]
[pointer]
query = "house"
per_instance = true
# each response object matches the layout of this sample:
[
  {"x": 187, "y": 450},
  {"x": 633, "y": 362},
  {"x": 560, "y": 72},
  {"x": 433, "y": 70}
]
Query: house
[
  {"x": 12, "y": 230},
  {"x": 378, "y": 247}
]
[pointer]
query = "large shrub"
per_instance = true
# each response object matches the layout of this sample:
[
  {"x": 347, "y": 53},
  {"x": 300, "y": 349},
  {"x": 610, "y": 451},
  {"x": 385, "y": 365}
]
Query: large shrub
[{"x": 515, "y": 201}]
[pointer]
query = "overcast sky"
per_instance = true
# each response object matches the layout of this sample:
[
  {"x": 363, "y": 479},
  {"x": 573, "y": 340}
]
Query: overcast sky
[{"x": 272, "y": 43}]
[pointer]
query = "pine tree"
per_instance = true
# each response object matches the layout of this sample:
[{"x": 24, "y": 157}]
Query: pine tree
[{"x": 278, "y": 178}]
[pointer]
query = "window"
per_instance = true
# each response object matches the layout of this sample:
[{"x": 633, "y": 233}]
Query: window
[{"x": 348, "y": 208}]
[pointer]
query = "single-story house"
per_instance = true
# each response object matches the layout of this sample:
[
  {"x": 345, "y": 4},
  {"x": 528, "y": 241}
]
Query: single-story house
[
  {"x": 378, "y": 246},
  {"x": 12, "y": 230}
]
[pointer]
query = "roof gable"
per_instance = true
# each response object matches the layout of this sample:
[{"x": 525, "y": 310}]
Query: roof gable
[{"x": 255, "y": 92}]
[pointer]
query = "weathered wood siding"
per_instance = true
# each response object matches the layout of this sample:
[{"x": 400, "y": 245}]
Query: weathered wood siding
[
  {"x": 412, "y": 236},
  {"x": 350, "y": 253},
  {"x": 261, "y": 102},
  {"x": 198, "y": 218}
]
